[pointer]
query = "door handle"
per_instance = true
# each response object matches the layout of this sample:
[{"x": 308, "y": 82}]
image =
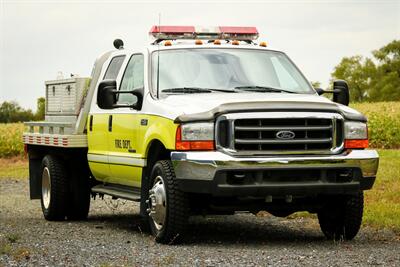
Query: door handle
[
  {"x": 91, "y": 123},
  {"x": 110, "y": 123}
]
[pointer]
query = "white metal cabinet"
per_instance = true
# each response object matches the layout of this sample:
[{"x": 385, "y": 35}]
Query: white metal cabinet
[{"x": 64, "y": 97}]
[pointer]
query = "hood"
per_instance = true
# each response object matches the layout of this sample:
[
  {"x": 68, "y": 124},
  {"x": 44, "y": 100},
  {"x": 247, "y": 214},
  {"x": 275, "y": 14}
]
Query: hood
[
  {"x": 194, "y": 103},
  {"x": 207, "y": 106}
]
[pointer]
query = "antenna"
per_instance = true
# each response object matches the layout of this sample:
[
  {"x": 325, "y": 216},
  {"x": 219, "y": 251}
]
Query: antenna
[{"x": 158, "y": 56}]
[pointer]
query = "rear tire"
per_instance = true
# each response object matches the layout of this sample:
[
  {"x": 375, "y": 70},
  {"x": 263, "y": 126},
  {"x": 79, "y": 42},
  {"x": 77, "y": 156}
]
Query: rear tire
[
  {"x": 341, "y": 217},
  {"x": 54, "y": 189},
  {"x": 168, "y": 205}
]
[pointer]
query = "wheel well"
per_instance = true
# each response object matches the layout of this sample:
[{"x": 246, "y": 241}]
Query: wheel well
[{"x": 156, "y": 152}]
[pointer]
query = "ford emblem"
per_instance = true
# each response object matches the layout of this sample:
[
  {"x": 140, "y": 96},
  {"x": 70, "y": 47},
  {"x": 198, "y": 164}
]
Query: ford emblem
[{"x": 285, "y": 135}]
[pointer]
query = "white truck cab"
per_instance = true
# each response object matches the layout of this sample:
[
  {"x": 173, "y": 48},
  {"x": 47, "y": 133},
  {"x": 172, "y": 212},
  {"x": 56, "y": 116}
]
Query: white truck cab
[{"x": 202, "y": 121}]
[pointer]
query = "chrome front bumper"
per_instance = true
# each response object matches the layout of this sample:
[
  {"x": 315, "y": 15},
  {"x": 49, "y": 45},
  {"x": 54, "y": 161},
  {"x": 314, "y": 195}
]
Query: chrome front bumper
[{"x": 203, "y": 166}]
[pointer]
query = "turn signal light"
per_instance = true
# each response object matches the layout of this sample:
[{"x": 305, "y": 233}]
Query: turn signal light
[
  {"x": 355, "y": 143},
  {"x": 192, "y": 145}
]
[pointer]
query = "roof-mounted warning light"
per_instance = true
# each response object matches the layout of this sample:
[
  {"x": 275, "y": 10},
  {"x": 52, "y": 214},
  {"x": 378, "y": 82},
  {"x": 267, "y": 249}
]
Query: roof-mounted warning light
[{"x": 160, "y": 33}]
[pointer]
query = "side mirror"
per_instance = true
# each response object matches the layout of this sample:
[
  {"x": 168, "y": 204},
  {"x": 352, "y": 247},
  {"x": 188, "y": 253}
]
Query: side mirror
[
  {"x": 107, "y": 96},
  {"x": 320, "y": 91},
  {"x": 341, "y": 93}
]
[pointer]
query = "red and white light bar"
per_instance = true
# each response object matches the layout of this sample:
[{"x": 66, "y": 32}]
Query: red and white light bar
[{"x": 194, "y": 32}]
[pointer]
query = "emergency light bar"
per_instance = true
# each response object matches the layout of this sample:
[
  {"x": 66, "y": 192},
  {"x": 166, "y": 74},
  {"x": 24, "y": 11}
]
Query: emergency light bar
[{"x": 191, "y": 32}]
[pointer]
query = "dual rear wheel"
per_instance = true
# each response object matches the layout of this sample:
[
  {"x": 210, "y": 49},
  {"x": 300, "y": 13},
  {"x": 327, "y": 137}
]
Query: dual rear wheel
[{"x": 65, "y": 194}]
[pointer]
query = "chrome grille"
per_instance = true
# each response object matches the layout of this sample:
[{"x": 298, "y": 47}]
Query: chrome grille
[{"x": 273, "y": 133}]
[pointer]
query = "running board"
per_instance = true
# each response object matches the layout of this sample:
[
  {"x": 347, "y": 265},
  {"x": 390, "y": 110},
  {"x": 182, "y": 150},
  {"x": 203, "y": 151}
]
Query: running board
[{"x": 118, "y": 191}]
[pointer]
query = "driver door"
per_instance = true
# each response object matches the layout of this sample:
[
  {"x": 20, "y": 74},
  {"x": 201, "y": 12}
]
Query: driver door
[{"x": 125, "y": 162}]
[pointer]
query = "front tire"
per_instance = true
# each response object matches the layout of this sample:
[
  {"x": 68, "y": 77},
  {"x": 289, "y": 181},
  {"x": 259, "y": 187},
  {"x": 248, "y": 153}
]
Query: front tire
[
  {"x": 54, "y": 189},
  {"x": 341, "y": 217},
  {"x": 168, "y": 205}
]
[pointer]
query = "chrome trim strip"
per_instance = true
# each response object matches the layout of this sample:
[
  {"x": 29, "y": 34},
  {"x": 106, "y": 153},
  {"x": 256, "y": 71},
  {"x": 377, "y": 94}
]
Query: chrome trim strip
[
  {"x": 268, "y": 128},
  {"x": 294, "y": 141},
  {"x": 204, "y": 165},
  {"x": 117, "y": 160},
  {"x": 282, "y": 115}
]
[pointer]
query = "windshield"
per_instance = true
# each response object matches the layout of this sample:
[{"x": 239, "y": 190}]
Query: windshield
[{"x": 218, "y": 70}]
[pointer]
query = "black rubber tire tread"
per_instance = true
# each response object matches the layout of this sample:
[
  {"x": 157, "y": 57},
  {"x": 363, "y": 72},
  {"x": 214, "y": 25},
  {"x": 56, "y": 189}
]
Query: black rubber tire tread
[
  {"x": 177, "y": 207},
  {"x": 59, "y": 189},
  {"x": 79, "y": 196},
  {"x": 341, "y": 218}
]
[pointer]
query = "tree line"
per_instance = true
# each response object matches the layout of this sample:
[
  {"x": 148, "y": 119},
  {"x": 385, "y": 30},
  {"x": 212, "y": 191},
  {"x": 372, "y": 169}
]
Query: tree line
[
  {"x": 13, "y": 112},
  {"x": 372, "y": 79}
]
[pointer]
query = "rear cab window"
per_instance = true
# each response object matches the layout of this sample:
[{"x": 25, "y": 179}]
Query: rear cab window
[{"x": 114, "y": 67}]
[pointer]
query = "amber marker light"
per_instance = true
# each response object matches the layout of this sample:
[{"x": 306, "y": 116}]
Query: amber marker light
[{"x": 355, "y": 143}]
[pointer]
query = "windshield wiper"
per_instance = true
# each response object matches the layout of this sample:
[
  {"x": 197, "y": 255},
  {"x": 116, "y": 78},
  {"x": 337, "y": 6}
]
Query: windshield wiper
[
  {"x": 194, "y": 90},
  {"x": 187, "y": 90},
  {"x": 255, "y": 88}
]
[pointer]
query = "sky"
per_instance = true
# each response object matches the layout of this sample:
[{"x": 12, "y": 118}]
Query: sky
[{"x": 40, "y": 38}]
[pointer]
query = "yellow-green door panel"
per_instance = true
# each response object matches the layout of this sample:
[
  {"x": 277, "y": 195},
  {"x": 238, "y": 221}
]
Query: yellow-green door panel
[
  {"x": 126, "y": 175},
  {"x": 98, "y": 146},
  {"x": 125, "y": 162}
]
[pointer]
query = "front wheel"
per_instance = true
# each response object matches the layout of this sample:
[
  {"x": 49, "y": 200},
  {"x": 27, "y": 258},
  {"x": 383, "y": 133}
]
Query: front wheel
[
  {"x": 341, "y": 216},
  {"x": 167, "y": 204}
]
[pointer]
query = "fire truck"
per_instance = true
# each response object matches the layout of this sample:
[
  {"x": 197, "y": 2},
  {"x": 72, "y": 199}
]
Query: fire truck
[{"x": 201, "y": 121}]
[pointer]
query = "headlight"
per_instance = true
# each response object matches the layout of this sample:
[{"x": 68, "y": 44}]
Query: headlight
[
  {"x": 201, "y": 131},
  {"x": 355, "y": 130},
  {"x": 195, "y": 136}
]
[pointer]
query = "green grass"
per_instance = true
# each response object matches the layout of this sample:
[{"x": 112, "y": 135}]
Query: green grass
[
  {"x": 382, "y": 202},
  {"x": 16, "y": 167}
]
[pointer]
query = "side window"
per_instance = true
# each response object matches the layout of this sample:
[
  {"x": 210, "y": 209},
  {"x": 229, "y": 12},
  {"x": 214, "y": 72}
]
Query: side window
[
  {"x": 133, "y": 78},
  {"x": 114, "y": 67}
]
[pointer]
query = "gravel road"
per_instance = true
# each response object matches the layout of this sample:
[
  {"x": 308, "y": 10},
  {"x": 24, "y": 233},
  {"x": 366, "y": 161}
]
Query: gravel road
[{"x": 112, "y": 237}]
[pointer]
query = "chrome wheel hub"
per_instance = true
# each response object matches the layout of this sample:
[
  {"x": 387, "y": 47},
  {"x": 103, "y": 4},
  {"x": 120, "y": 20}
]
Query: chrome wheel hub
[
  {"x": 157, "y": 203},
  {"x": 46, "y": 187}
]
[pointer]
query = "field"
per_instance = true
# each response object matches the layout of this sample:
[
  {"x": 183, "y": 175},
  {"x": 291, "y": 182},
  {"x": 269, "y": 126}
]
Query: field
[
  {"x": 382, "y": 202},
  {"x": 383, "y": 123},
  {"x": 11, "y": 140}
]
